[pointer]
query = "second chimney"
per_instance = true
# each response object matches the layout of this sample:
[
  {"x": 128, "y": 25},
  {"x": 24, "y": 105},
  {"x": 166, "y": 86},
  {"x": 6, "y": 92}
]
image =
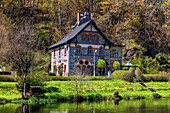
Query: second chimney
[{"x": 78, "y": 18}]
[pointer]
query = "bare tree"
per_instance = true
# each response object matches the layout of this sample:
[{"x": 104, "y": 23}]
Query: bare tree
[{"x": 22, "y": 49}]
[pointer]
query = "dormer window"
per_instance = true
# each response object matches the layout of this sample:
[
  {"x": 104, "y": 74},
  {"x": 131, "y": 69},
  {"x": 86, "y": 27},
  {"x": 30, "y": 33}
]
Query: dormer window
[
  {"x": 89, "y": 52},
  {"x": 89, "y": 39}
]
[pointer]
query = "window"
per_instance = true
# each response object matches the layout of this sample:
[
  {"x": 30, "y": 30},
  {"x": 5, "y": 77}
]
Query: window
[
  {"x": 59, "y": 69},
  {"x": 89, "y": 39},
  {"x": 54, "y": 53},
  {"x": 65, "y": 50},
  {"x": 83, "y": 38},
  {"x": 78, "y": 50},
  {"x": 64, "y": 68},
  {"x": 89, "y": 50},
  {"x": 114, "y": 54},
  {"x": 101, "y": 51},
  {"x": 95, "y": 39},
  {"x": 81, "y": 62},
  {"x": 59, "y": 53},
  {"x": 86, "y": 62},
  {"x": 78, "y": 68}
]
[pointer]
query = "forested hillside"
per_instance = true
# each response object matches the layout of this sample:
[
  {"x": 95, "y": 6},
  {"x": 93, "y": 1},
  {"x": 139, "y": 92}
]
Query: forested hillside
[{"x": 141, "y": 25}]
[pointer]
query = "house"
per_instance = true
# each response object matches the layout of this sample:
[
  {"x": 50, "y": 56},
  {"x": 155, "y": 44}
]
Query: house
[{"x": 78, "y": 49}]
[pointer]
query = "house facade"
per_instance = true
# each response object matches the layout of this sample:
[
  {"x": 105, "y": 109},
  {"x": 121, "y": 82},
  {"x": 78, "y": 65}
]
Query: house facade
[{"x": 76, "y": 51}]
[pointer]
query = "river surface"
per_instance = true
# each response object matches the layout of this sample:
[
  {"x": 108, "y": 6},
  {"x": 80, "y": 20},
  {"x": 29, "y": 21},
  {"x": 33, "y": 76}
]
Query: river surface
[{"x": 123, "y": 106}]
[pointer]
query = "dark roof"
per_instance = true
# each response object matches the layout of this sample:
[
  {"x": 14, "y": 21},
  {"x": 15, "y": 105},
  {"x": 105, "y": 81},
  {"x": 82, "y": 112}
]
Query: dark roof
[
  {"x": 77, "y": 30},
  {"x": 71, "y": 35}
]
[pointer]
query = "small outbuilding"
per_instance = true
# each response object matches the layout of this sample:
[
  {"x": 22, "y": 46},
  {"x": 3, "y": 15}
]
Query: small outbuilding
[{"x": 128, "y": 64}]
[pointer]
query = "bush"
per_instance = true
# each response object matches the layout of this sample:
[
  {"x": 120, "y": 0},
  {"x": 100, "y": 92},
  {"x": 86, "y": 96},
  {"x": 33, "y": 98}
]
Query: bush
[
  {"x": 138, "y": 74},
  {"x": 59, "y": 78},
  {"x": 116, "y": 64},
  {"x": 7, "y": 78},
  {"x": 155, "y": 77},
  {"x": 126, "y": 75},
  {"x": 85, "y": 78},
  {"x": 35, "y": 79}
]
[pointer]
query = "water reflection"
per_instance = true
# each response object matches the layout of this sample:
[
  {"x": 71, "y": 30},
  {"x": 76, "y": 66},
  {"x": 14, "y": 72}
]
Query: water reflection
[
  {"x": 128, "y": 106},
  {"x": 25, "y": 108},
  {"x": 116, "y": 102}
]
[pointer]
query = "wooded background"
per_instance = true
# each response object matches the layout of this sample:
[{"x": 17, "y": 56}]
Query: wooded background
[{"x": 141, "y": 25}]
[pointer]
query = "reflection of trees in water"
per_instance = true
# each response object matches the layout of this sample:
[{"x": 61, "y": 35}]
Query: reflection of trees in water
[
  {"x": 25, "y": 108},
  {"x": 116, "y": 102},
  {"x": 78, "y": 106}
]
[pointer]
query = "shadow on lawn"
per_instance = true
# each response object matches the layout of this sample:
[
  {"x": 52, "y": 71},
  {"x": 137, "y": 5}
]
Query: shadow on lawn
[{"x": 52, "y": 89}]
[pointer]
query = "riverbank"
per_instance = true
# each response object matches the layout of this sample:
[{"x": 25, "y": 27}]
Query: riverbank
[{"x": 89, "y": 90}]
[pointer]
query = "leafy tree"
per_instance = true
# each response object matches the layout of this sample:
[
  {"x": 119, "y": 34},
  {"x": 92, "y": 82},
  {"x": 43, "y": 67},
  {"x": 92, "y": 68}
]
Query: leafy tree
[
  {"x": 21, "y": 51},
  {"x": 163, "y": 61},
  {"x": 33, "y": 79},
  {"x": 116, "y": 64},
  {"x": 101, "y": 64}
]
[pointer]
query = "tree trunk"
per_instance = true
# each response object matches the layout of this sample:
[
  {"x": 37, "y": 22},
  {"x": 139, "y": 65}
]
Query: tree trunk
[
  {"x": 100, "y": 71},
  {"x": 59, "y": 15},
  {"x": 24, "y": 85}
]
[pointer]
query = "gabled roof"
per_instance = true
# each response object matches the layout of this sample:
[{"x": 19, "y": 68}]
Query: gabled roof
[
  {"x": 77, "y": 31},
  {"x": 128, "y": 64}
]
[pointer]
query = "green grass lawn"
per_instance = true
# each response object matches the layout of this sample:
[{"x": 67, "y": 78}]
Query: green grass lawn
[
  {"x": 8, "y": 90},
  {"x": 106, "y": 88},
  {"x": 66, "y": 89}
]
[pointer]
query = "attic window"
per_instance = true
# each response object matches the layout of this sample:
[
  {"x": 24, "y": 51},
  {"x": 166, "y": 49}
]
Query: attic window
[
  {"x": 89, "y": 39},
  {"x": 96, "y": 39},
  {"x": 84, "y": 38}
]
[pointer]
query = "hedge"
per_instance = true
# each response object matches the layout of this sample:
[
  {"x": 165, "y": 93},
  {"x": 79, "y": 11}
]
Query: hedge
[
  {"x": 126, "y": 75},
  {"x": 73, "y": 77},
  {"x": 7, "y": 78},
  {"x": 155, "y": 77}
]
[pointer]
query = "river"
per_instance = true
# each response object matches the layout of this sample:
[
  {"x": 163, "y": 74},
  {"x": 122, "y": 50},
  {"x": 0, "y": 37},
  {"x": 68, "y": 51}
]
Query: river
[{"x": 123, "y": 106}]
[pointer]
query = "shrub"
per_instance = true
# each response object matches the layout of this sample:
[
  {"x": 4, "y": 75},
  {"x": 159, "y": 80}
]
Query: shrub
[
  {"x": 116, "y": 64},
  {"x": 72, "y": 77},
  {"x": 126, "y": 75},
  {"x": 155, "y": 77},
  {"x": 138, "y": 74},
  {"x": 7, "y": 78},
  {"x": 59, "y": 78},
  {"x": 35, "y": 79}
]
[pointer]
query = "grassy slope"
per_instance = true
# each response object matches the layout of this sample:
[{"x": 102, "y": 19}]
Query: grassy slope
[
  {"x": 8, "y": 90},
  {"x": 105, "y": 88}
]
